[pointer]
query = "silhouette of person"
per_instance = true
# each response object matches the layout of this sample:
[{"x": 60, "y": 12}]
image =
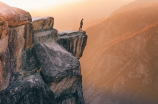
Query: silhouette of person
[{"x": 81, "y": 24}]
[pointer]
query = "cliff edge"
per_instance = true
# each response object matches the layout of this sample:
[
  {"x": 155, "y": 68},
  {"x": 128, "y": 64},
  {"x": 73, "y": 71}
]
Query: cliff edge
[{"x": 38, "y": 65}]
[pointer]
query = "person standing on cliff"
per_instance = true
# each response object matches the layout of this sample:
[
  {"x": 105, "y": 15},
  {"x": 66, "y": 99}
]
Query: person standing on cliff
[{"x": 81, "y": 24}]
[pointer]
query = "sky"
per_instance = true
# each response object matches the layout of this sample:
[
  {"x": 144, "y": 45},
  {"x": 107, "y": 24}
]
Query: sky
[
  {"x": 68, "y": 13},
  {"x": 36, "y": 4}
]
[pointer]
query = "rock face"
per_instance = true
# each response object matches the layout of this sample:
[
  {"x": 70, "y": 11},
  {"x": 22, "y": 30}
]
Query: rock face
[
  {"x": 3, "y": 29},
  {"x": 60, "y": 69},
  {"x": 42, "y": 23},
  {"x": 30, "y": 89},
  {"x": 14, "y": 51},
  {"x": 73, "y": 41},
  {"x": 14, "y": 16},
  {"x": 20, "y": 83},
  {"x": 34, "y": 68}
]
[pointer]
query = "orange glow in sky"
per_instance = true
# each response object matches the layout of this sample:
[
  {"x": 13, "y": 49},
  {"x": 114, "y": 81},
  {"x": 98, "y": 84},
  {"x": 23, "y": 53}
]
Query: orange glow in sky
[{"x": 36, "y": 4}]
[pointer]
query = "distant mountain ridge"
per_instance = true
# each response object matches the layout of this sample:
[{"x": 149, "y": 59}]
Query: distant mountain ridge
[
  {"x": 121, "y": 58},
  {"x": 135, "y": 4}
]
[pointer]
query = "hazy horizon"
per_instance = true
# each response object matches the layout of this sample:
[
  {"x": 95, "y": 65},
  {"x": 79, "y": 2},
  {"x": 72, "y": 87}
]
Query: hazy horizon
[{"x": 67, "y": 14}]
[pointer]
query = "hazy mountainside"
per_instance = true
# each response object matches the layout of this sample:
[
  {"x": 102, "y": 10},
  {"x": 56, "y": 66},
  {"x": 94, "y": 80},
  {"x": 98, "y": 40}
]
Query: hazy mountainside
[
  {"x": 135, "y": 4},
  {"x": 121, "y": 57},
  {"x": 69, "y": 16}
]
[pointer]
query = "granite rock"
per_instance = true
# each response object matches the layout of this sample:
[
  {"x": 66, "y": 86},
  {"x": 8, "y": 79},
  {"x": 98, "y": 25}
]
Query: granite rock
[
  {"x": 34, "y": 68},
  {"x": 30, "y": 89},
  {"x": 3, "y": 29},
  {"x": 16, "y": 52},
  {"x": 14, "y": 16},
  {"x": 73, "y": 41},
  {"x": 60, "y": 69},
  {"x": 42, "y": 23},
  {"x": 20, "y": 81}
]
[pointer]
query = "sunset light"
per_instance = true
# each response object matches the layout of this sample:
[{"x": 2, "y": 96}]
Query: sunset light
[
  {"x": 36, "y": 4},
  {"x": 78, "y": 51}
]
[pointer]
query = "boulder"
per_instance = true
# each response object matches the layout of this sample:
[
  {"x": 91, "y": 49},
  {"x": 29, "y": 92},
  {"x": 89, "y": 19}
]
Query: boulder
[
  {"x": 14, "y": 16},
  {"x": 42, "y": 23},
  {"x": 73, "y": 41},
  {"x": 30, "y": 89}
]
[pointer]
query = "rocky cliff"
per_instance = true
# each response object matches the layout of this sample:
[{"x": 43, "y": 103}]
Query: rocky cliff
[
  {"x": 73, "y": 41},
  {"x": 34, "y": 68}
]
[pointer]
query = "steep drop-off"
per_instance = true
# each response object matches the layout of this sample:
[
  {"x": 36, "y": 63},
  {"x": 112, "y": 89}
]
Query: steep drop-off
[
  {"x": 34, "y": 68},
  {"x": 121, "y": 59}
]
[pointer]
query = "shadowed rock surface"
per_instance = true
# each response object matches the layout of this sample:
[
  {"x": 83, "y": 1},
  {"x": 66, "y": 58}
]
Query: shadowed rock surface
[
  {"x": 60, "y": 69},
  {"x": 14, "y": 16},
  {"x": 29, "y": 89},
  {"x": 73, "y": 41}
]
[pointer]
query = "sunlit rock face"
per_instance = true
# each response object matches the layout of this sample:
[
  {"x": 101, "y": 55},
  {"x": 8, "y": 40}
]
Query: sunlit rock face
[
  {"x": 16, "y": 51},
  {"x": 42, "y": 23},
  {"x": 3, "y": 28},
  {"x": 73, "y": 41},
  {"x": 14, "y": 16}
]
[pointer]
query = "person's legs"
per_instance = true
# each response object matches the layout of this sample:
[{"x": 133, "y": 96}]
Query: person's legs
[{"x": 81, "y": 28}]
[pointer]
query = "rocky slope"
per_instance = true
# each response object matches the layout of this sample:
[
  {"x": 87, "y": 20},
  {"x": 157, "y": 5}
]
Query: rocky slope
[
  {"x": 34, "y": 68},
  {"x": 123, "y": 68}
]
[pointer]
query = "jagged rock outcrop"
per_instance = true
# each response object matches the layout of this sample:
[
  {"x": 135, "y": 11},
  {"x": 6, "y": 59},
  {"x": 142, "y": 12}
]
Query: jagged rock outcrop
[
  {"x": 14, "y": 16},
  {"x": 34, "y": 68},
  {"x": 60, "y": 69},
  {"x": 20, "y": 82},
  {"x": 73, "y": 41},
  {"x": 42, "y": 23}
]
